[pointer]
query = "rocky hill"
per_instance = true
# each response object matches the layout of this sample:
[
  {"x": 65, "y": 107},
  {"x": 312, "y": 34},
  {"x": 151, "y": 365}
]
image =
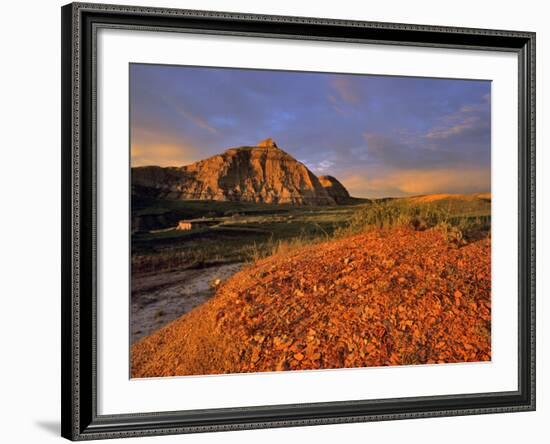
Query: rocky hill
[
  {"x": 335, "y": 189},
  {"x": 263, "y": 173},
  {"x": 385, "y": 297}
]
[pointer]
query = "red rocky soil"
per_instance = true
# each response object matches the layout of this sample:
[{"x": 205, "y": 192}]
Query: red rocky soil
[{"x": 387, "y": 297}]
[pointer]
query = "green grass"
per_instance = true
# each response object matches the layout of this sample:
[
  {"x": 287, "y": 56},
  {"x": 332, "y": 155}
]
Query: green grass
[
  {"x": 247, "y": 232},
  {"x": 191, "y": 209},
  {"x": 461, "y": 221}
]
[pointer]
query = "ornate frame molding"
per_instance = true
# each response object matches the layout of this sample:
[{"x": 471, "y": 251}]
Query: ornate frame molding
[{"x": 80, "y": 22}]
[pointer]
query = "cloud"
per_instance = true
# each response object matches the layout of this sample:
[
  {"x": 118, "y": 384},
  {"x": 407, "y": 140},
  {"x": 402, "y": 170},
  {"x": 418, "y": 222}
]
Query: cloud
[
  {"x": 387, "y": 150},
  {"x": 199, "y": 121},
  {"x": 418, "y": 181},
  {"x": 404, "y": 151},
  {"x": 466, "y": 125},
  {"x": 458, "y": 138},
  {"x": 441, "y": 180},
  {"x": 336, "y": 104},
  {"x": 160, "y": 154},
  {"x": 224, "y": 122},
  {"x": 470, "y": 119},
  {"x": 346, "y": 89},
  {"x": 320, "y": 167},
  {"x": 149, "y": 148}
]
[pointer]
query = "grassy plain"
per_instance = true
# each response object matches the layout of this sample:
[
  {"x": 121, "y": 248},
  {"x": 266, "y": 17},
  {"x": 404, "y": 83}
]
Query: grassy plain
[{"x": 246, "y": 232}]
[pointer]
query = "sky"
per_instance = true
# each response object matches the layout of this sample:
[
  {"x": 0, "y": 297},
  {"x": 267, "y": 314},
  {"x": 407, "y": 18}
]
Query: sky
[{"x": 380, "y": 136}]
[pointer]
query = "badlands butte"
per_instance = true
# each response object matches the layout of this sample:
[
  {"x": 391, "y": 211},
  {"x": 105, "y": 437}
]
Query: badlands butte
[
  {"x": 262, "y": 174},
  {"x": 248, "y": 262}
]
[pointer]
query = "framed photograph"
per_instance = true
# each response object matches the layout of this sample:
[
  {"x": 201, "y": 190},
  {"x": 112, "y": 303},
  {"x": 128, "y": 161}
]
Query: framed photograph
[{"x": 281, "y": 221}]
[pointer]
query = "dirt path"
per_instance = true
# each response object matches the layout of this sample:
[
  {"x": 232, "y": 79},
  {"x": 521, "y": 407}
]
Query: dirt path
[{"x": 160, "y": 298}]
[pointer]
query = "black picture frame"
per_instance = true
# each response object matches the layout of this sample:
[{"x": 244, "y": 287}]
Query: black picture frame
[{"x": 80, "y": 420}]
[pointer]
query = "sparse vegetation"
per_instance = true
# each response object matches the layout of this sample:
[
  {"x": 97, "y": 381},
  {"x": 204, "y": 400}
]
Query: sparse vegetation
[
  {"x": 456, "y": 225},
  {"x": 247, "y": 232}
]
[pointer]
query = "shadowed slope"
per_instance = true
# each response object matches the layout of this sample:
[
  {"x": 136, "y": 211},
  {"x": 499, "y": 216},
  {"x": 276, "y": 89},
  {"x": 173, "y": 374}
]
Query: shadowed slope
[{"x": 335, "y": 189}]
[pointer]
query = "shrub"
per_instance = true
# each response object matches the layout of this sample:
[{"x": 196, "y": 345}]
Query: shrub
[{"x": 420, "y": 217}]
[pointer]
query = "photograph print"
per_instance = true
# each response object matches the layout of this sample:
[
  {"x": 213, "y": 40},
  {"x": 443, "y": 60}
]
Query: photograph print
[{"x": 288, "y": 221}]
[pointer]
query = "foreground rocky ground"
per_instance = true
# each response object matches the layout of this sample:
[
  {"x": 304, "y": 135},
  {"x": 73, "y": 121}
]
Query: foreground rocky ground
[{"x": 387, "y": 297}]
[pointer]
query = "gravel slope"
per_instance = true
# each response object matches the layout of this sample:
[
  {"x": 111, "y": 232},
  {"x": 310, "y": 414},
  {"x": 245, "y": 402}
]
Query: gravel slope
[{"x": 388, "y": 297}]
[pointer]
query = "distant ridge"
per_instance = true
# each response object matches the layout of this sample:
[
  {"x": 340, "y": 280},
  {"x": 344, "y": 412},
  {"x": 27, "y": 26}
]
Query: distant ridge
[
  {"x": 445, "y": 196},
  {"x": 261, "y": 173}
]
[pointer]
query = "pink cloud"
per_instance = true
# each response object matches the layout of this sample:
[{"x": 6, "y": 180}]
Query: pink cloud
[
  {"x": 418, "y": 181},
  {"x": 150, "y": 148},
  {"x": 346, "y": 90}
]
